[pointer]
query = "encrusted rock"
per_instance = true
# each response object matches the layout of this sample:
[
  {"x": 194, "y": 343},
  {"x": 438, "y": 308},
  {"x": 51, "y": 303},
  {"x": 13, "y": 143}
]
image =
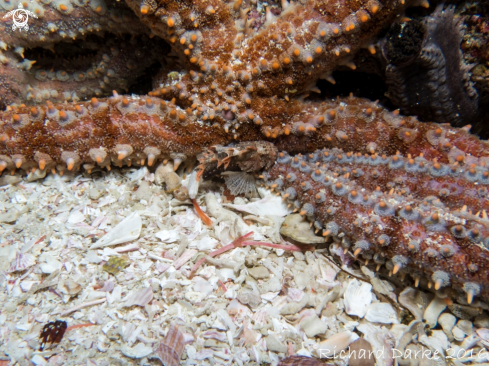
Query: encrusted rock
[
  {"x": 299, "y": 229},
  {"x": 259, "y": 272}
]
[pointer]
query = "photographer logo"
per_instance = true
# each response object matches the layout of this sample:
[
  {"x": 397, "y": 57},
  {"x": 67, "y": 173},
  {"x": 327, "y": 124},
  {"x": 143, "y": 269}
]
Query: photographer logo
[{"x": 20, "y": 18}]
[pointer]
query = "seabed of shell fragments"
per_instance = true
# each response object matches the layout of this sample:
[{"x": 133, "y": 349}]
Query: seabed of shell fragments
[{"x": 111, "y": 254}]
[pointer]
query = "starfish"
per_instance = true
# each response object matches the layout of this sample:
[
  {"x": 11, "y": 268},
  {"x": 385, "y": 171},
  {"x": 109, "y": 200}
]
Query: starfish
[{"x": 237, "y": 76}]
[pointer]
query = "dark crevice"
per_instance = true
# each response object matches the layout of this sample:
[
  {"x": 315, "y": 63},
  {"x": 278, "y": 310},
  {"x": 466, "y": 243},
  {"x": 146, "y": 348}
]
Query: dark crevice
[
  {"x": 360, "y": 84},
  {"x": 67, "y": 56},
  {"x": 143, "y": 84}
]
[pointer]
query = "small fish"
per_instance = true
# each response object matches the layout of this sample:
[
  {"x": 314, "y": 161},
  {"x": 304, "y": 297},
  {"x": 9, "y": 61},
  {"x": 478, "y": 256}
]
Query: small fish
[
  {"x": 116, "y": 264},
  {"x": 52, "y": 333}
]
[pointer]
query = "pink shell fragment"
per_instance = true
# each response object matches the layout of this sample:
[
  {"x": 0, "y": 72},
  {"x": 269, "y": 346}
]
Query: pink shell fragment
[
  {"x": 141, "y": 298},
  {"x": 171, "y": 347},
  {"x": 184, "y": 258}
]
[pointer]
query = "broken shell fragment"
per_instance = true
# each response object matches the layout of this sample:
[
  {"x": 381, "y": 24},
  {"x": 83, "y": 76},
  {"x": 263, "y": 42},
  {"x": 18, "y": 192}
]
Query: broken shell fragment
[
  {"x": 21, "y": 262},
  {"x": 139, "y": 351},
  {"x": 336, "y": 343},
  {"x": 171, "y": 347},
  {"x": 141, "y": 297},
  {"x": 69, "y": 287},
  {"x": 433, "y": 311},
  {"x": 361, "y": 353},
  {"x": 298, "y": 229},
  {"x": 358, "y": 297},
  {"x": 126, "y": 230},
  {"x": 381, "y": 312}
]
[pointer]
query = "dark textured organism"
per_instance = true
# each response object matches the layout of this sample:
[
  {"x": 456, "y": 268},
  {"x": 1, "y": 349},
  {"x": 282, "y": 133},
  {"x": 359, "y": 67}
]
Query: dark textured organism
[
  {"x": 425, "y": 73},
  {"x": 52, "y": 332},
  {"x": 302, "y": 361}
]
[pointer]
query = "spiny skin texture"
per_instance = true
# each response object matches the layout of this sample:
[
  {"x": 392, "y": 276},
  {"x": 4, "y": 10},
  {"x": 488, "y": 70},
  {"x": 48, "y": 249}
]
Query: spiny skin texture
[
  {"x": 56, "y": 70},
  {"x": 112, "y": 66},
  {"x": 431, "y": 80},
  {"x": 123, "y": 130},
  {"x": 391, "y": 209},
  {"x": 306, "y": 42}
]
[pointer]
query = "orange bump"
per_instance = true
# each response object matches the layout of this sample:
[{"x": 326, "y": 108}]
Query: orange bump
[
  {"x": 63, "y": 116},
  {"x": 70, "y": 163},
  {"x": 144, "y": 9},
  {"x": 42, "y": 164},
  {"x": 296, "y": 52},
  {"x": 318, "y": 50},
  {"x": 16, "y": 118},
  {"x": 18, "y": 163},
  {"x": 275, "y": 65},
  {"x": 287, "y": 60},
  {"x": 170, "y": 22},
  {"x": 309, "y": 59},
  {"x": 63, "y": 7},
  {"x": 3, "y": 165},
  {"x": 95, "y": 102},
  {"x": 34, "y": 112}
]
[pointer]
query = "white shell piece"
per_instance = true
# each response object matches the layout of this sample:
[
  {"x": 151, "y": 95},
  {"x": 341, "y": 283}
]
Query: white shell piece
[
  {"x": 167, "y": 236},
  {"x": 336, "y": 343},
  {"x": 38, "y": 360},
  {"x": 483, "y": 333},
  {"x": 381, "y": 312},
  {"x": 433, "y": 311},
  {"x": 26, "y": 285},
  {"x": 193, "y": 185},
  {"x": 438, "y": 341},
  {"x": 51, "y": 265},
  {"x": 141, "y": 297},
  {"x": 269, "y": 205},
  {"x": 126, "y": 230},
  {"x": 458, "y": 334},
  {"x": 206, "y": 243},
  {"x": 447, "y": 322},
  {"x": 76, "y": 217},
  {"x": 203, "y": 286},
  {"x": 358, "y": 297},
  {"x": 139, "y": 351}
]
